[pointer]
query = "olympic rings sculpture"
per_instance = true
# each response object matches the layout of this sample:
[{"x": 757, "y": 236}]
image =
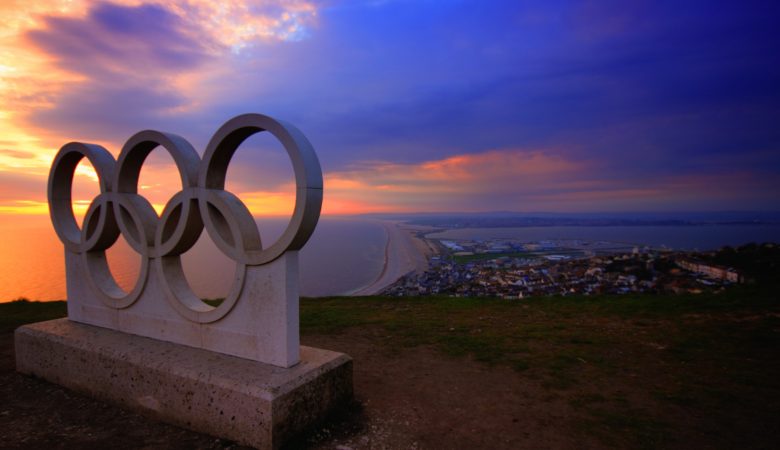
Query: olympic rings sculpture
[{"x": 202, "y": 203}]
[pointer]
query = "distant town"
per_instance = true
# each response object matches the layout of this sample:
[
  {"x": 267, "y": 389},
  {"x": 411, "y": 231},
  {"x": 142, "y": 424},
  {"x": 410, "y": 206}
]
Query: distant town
[{"x": 511, "y": 269}]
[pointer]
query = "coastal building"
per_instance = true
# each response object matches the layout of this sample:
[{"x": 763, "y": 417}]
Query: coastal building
[
  {"x": 710, "y": 270},
  {"x": 558, "y": 271}
]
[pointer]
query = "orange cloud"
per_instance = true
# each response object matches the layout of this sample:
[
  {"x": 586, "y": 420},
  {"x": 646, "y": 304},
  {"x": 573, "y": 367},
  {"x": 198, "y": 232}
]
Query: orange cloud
[
  {"x": 33, "y": 80},
  {"x": 520, "y": 180},
  {"x": 467, "y": 172},
  {"x": 451, "y": 183},
  {"x": 527, "y": 180},
  {"x": 269, "y": 203},
  {"x": 25, "y": 207}
]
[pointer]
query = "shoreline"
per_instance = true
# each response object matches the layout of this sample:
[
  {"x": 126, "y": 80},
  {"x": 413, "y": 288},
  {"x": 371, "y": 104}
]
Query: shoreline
[{"x": 404, "y": 253}]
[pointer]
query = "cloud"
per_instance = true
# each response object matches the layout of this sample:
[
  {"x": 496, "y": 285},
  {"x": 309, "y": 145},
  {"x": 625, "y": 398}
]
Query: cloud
[
  {"x": 535, "y": 180},
  {"x": 238, "y": 24},
  {"x": 25, "y": 192},
  {"x": 17, "y": 154},
  {"x": 29, "y": 162},
  {"x": 503, "y": 179},
  {"x": 495, "y": 179},
  {"x": 128, "y": 60},
  {"x": 21, "y": 186},
  {"x": 115, "y": 40},
  {"x": 100, "y": 71},
  {"x": 589, "y": 105},
  {"x": 467, "y": 172}
]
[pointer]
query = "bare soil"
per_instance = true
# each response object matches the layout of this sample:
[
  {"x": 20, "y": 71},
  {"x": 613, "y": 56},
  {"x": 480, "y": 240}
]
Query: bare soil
[{"x": 420, "y": 398}]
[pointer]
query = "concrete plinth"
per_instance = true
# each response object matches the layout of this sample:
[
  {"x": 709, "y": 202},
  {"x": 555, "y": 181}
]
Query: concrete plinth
[{"x": 253, "y": 403}]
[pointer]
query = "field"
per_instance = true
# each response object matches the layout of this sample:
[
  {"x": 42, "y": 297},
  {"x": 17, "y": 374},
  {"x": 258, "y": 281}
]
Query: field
[{"x": 558, "y": 372}]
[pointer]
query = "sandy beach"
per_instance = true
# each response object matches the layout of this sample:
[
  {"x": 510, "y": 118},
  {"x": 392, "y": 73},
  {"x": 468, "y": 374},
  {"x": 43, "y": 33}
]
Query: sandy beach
[{"x": 404, "y": 253}]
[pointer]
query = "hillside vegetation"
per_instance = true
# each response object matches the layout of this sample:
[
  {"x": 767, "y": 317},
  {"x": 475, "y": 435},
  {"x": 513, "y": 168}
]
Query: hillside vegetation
[{"x": 638, "y": 371}]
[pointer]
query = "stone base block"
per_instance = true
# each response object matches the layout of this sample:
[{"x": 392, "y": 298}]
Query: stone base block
[{"x": 246, "y": 401}]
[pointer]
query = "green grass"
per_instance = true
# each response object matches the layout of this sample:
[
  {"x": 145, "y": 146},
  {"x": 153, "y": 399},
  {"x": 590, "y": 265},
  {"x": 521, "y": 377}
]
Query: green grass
[
  {"x": 500, "y": 331},
  {"x": 712, "y": 356},
  {"x": 463, "y": 259}
]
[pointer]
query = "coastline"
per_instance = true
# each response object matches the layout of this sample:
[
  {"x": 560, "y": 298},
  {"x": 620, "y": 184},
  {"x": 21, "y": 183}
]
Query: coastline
[{"x": 404, "y": 253}]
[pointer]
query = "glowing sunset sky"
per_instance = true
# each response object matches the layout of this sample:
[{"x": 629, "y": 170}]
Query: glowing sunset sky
[{"x": 412, "y": 105}]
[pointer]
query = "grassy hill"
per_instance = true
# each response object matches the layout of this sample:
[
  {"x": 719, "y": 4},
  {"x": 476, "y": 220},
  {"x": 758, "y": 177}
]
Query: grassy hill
[{"x": 629, "y": 371}]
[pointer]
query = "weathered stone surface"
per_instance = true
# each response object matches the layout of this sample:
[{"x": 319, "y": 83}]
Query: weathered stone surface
[
  {"x": 262, "y": 326},
  {"x": 247, "y": 401},
  {"x": 258, "y": 317}
]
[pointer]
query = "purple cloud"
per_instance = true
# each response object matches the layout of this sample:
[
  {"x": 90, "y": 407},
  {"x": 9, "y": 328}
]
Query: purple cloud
[
  {"x": 125, "y": 41},
  {"x": 643, "y": 91},
  {"x": 129, "y": 56}
]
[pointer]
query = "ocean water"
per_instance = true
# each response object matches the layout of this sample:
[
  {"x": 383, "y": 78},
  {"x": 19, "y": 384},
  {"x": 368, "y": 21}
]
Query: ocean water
[
  {"x": 694, "y": 237},
  {"x": 342, "y": 255}
]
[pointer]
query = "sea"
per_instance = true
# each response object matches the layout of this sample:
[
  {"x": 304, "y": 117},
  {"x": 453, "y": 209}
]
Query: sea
[
  {"x": 343, "y": 254},
  {"x": 702, "y": 237}
]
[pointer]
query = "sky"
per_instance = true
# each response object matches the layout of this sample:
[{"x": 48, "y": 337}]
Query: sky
[{"x": 411, "y": 105}]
